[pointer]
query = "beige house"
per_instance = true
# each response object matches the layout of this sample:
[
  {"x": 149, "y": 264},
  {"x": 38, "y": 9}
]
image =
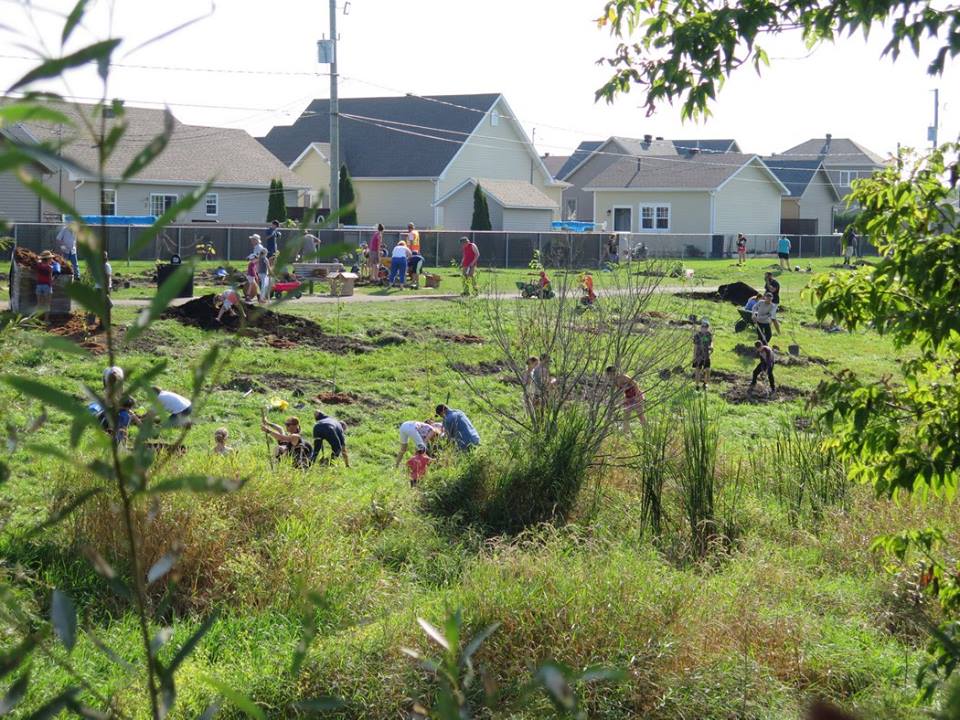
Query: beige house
[
  {"x": 514, "y": 205},
  {"x": 809, "y": 208},
  {"x": 239, "y": 168},
  {"x": 408, "y": 155},
  {"x": 689, "y": 200}
]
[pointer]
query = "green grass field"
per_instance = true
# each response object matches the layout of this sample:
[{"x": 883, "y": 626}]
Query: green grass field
[{"x": 789, "y": 612}]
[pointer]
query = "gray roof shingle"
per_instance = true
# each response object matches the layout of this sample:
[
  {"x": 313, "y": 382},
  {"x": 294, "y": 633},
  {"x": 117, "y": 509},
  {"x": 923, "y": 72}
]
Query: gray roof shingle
[
  {"x": 795, "y": 174},
  {"x": 515, "y": 194},
  {"x": 553, "y": 163},
  {"x": 194, "y": 154},
  {"x": 406, "y": 136},
  {"x": 582, "y": 152},
  {"x": 842, "y": 151},
  {"x": 707, "y": 146},
  {"x": 681, "y": 172}
]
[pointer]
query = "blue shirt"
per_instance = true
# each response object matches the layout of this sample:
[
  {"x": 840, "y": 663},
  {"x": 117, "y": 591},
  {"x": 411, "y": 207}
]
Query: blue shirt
[
  {"x": 272, "y": 234},
  {"x": 460, "y": 429},
  {"x": 750, "y": 303},
  {"x": 783, "y": 245}
]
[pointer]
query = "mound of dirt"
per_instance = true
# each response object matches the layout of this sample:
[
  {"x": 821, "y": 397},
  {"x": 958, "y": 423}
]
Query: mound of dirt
[
  {"x": 338, "y": 398},
  {"x": 279, "y": 330},
  {"x": 75, "y": 327},
  {"x": 467, "y": 339},
  {"x": 826, "y": 327},
  {"x": 740, "y": 394},
  {"x": 737, "y": 293},
  {"x": 484, "y": 367}
]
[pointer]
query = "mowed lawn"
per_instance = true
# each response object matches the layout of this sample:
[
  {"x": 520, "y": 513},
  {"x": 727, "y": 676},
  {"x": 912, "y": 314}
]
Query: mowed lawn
[{"x": 788, "y": 612}]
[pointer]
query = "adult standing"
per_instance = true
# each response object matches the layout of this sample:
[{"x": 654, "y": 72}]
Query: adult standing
[
  {"x": 373, "y": 259},
  {"x": 330, "y": 430},
  {"x": 263, "y": 274},
  {"x": 177, "y": 405},
  {"x": 469, "y": 260},
  {"x": 272, "y": 237},
  {"x": 255, "y": 245},
  {"x": 421, "y": 434},
  {"x": 762, "y": 316},
  {"x": 458, "y": 427},
  {"x": 766, "y": 358},
  {"x": 772, "y": 286},
  {"x": 741, "y": 249},
  {"x": 413, "y": 238},
  {"x": 398, "y": 264},
  {"x": 67, "y": 237},
  {"x": 783, "y": 251}
]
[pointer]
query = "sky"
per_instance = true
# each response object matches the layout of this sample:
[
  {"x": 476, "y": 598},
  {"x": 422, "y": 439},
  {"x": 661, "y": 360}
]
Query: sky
[{"x": 254, "y": 65}]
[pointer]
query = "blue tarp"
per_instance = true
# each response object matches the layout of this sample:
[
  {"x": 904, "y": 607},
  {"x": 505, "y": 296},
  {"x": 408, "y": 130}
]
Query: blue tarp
[
  {"x": 572, "y": 226},
  {"x": 116, "y": 219}
]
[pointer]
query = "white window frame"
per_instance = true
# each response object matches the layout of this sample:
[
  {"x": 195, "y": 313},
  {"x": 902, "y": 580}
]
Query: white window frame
[
  {"x": 613, "y": 217},
  {"x": 494, "y": 118},
  {"x": 175, "y": 197},
  {"x": 568, "y": 215},
  {"x": 103, "y": 202},
  {"x": 216, "y": 204},
  {"x": 653, "y": 207}
]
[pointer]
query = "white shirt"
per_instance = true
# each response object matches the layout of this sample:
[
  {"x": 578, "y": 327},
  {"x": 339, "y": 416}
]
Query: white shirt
[
  {"x": 413, "y": 431},
  {"x": 114, "y": 371},
  {"x": 401, "y": 251},
  {"x": 67, "y": 240},
  {"x": 172, "y": 402}
]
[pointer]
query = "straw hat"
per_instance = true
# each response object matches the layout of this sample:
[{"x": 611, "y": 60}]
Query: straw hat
[{"x": 46, "y": 255}]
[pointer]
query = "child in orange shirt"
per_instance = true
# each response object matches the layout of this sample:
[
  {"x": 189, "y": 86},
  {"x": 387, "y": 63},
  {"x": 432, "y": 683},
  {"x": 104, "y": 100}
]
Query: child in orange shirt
[{"x": 418, "y": 465}]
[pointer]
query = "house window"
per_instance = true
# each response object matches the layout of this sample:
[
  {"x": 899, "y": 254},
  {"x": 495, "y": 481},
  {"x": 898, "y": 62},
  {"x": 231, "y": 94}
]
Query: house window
[
  {"x": 622, "y": 219},
  {"x": 108, "y": 202},
  {"x": 570, "y": 209},
  {"x": 654, "y": 218},
  {"x": 212, "y": 204},
  {"x": 494, "y": 118},
  {"x": 161, "y": 202}
]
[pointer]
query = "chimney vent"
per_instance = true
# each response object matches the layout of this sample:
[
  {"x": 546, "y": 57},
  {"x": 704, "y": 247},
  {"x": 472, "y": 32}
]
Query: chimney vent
[
  {"x": 659, "y": 137},
  {"x": 648, "y": 139}
]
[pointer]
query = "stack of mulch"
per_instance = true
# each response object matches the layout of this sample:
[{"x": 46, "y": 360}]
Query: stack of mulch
[{"x": 23, "y": 285}]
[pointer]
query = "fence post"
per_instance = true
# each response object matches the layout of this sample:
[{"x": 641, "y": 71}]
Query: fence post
[
  {"x": 229, "y": 254},
  {"x": 179, "y": 249},
  {"x": 800, "y": 248},
  {"x": 506, "y": 253},
  {"x": 15, "y": 242},
  {"x": 437, "y": 263},
  {"x": 820, "y": 246},
  {"x": 128, "y": 246}
]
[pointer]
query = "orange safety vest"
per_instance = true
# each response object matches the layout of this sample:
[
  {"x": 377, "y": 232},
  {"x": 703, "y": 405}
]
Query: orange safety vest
[{"x": 414, "y": 241}]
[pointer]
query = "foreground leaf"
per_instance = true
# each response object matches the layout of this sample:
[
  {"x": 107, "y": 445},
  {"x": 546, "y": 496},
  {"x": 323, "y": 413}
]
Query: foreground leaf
[
  {"x": 63, "y": 616},
  {"x": 241, "y": 701},
  {"x": 54, "y": 67}
]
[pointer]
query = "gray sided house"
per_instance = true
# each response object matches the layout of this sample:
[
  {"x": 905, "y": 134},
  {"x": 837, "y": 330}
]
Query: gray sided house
[
  {"x": 408, "y": 154},
  {"x": 809, "y": 208},
  {"x": 844, "y": 160},
  {"x": 697, "y": 200},
  {"x": 17, "y": 203},
  {"x": 238, "y": 166}
]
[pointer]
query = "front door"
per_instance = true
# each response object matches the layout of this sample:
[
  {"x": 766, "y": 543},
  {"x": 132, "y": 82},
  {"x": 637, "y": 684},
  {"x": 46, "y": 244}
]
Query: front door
[{"x": 623, "y": 219}]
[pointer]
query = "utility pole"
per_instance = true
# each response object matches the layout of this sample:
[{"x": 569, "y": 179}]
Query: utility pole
[
  {"x": 933, "y": 129},
  {"x": 334, "y": 117}
]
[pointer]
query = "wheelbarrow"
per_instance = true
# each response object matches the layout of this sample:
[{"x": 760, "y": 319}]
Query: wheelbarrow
[{"x": 534, "y": 290}]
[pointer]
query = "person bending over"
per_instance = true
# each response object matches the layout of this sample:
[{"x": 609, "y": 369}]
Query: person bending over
[
  {"x": 420, "y": 434},
  {"x": 458, "y": 427},
  {"x": 332, "y": 431}
]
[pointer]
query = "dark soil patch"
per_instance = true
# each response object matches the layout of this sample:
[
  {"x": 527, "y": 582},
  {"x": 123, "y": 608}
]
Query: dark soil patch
[
  {"x": 76, "y": 328},
  {"x": 737, "y": 293},
  {"x": 784, "y": 359},
  {"x": 280, "y": 330},
  {"x": 825, "y": 327},
  {"x": 466, "y": 339},
  {"x": 686, "y": 322},
  {"x": 484, "y": 367},
  {"x": 740, "y": 394},
  {"x": 338, "y": 398},
  {"x": 389, "y": 338}
]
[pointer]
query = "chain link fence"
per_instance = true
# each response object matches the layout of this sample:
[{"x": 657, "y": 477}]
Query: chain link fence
[{"x": 439, "y": 248}]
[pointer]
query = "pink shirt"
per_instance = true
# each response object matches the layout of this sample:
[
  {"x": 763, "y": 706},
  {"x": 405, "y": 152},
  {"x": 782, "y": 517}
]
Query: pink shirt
[
  {"x": 418, "y": 466},
  {"x": 470, "y": 254},
  {"x": 375, "y": 243}
]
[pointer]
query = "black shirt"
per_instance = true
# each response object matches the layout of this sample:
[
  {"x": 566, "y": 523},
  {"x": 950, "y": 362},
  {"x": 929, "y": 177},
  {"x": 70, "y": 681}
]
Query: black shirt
[
  {"x": 328, "y": 429},
  {"x": 773, "y": 287}
]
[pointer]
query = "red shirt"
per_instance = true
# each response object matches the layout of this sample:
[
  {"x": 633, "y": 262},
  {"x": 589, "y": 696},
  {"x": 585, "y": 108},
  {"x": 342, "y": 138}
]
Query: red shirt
[
  {"x": 470, "y": 254},
  {"x": 375, "y": 244},
  {"x": 44, "y": 273},
  {"x": 418, "y": 466}
]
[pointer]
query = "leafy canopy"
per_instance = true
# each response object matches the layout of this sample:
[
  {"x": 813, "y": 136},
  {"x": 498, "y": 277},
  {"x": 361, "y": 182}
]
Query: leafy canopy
[{"x": 687, "y": 48}]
